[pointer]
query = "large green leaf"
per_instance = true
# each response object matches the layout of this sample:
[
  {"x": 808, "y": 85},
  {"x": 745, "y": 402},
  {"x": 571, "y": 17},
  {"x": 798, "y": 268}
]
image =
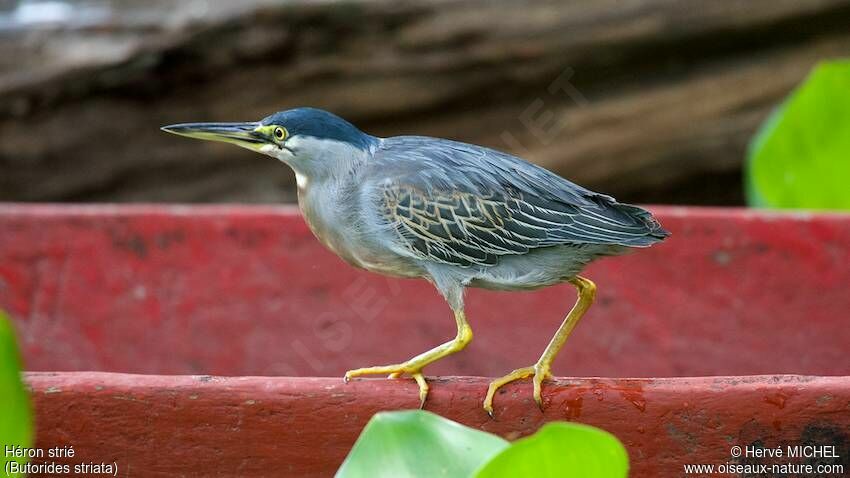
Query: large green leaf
[
  {"x": 417, "y": 443},
  {"x": 15, "y": 424},
  {"x": 800, "y": 158},
  {"x": 561, "y": 450}
]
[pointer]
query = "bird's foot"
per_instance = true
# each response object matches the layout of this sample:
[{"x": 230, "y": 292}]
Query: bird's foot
[
  {"x": 414, "y": 366},
  {"x": 539, "y": 372},
  {"x": 395, "y": 371}
]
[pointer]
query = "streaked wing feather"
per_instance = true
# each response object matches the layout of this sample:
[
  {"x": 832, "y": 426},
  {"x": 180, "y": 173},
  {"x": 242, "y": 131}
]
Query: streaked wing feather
[{"x": 466, "y": 205}]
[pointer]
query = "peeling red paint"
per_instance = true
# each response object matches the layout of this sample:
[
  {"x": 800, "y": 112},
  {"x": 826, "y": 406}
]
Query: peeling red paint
[
  {"x": 572, "y": 409},
  {"x": 777, "y": 399},
  {"x": 636, "y": 399}
]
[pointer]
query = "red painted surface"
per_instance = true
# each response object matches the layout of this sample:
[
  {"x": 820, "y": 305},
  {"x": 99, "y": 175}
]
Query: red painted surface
[
  {"x": 155, "y": 426},
  {"x": 249, "y": 291}
]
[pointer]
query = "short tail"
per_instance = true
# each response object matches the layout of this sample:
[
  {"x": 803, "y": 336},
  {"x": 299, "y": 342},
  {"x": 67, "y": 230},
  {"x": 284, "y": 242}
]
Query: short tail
[{"x": 654, "y": 232}]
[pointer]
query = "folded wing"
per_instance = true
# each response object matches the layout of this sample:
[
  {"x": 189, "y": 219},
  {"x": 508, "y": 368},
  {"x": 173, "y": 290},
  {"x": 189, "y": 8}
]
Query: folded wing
[{"x": 466, "y": 205}]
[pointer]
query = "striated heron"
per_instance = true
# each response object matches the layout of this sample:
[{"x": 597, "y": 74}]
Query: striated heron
[{"x": 456, "y": 214}]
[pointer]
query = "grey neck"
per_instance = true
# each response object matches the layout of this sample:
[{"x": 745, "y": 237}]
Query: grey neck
[{"x": 322, "y": 160}]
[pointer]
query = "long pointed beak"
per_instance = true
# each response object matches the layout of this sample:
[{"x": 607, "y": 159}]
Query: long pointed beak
[{"x": 240, "y": 134}]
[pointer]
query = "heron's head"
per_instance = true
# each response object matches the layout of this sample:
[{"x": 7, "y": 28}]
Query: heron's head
[{"x": 310, "y": 140}]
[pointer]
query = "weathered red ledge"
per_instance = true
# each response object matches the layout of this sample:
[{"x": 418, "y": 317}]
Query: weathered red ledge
[{"x": 202, "y": 426}]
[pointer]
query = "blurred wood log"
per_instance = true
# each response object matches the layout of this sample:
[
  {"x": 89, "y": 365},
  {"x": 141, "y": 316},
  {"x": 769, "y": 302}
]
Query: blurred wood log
[{"x": 649, "y": 100}]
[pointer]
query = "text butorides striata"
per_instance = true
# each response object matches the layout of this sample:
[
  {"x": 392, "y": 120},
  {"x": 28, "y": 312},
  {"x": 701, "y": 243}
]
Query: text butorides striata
[{"x": 456, "y": 214}]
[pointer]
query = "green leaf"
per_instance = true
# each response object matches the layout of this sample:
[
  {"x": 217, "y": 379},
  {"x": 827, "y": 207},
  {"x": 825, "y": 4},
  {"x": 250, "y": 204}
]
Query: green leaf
[
  {"x": 561, "y": 450},
  {"x": 15, "y": 421},
  {"x": 800, "y": 158},
  {"x": 416, "y": 443}
]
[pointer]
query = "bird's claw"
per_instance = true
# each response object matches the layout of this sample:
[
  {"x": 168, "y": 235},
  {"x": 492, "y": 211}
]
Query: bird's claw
[{"x": 539, "y": 372}]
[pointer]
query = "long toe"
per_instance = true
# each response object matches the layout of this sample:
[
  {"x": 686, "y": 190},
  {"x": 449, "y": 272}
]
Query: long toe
[
  {"x": 423, "y": 388},
  {"x": 394, "y": 371},
  {"x": 499, "y": 382},
  {"x": 539, "y": 376}
]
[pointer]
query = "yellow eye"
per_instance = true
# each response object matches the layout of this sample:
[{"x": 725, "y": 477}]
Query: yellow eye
[{"x": 279, "y": 133}]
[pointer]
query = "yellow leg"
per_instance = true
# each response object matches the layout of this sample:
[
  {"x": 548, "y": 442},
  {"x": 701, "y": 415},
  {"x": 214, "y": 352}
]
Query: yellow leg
[
  {"x": 542, "y": 369},
  {"x": 414, "y": 366}
]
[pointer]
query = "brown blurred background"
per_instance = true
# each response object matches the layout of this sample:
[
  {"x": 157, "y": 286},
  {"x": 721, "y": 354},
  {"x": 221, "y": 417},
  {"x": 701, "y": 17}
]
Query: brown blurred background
[{"x": 648, "y": 100}]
